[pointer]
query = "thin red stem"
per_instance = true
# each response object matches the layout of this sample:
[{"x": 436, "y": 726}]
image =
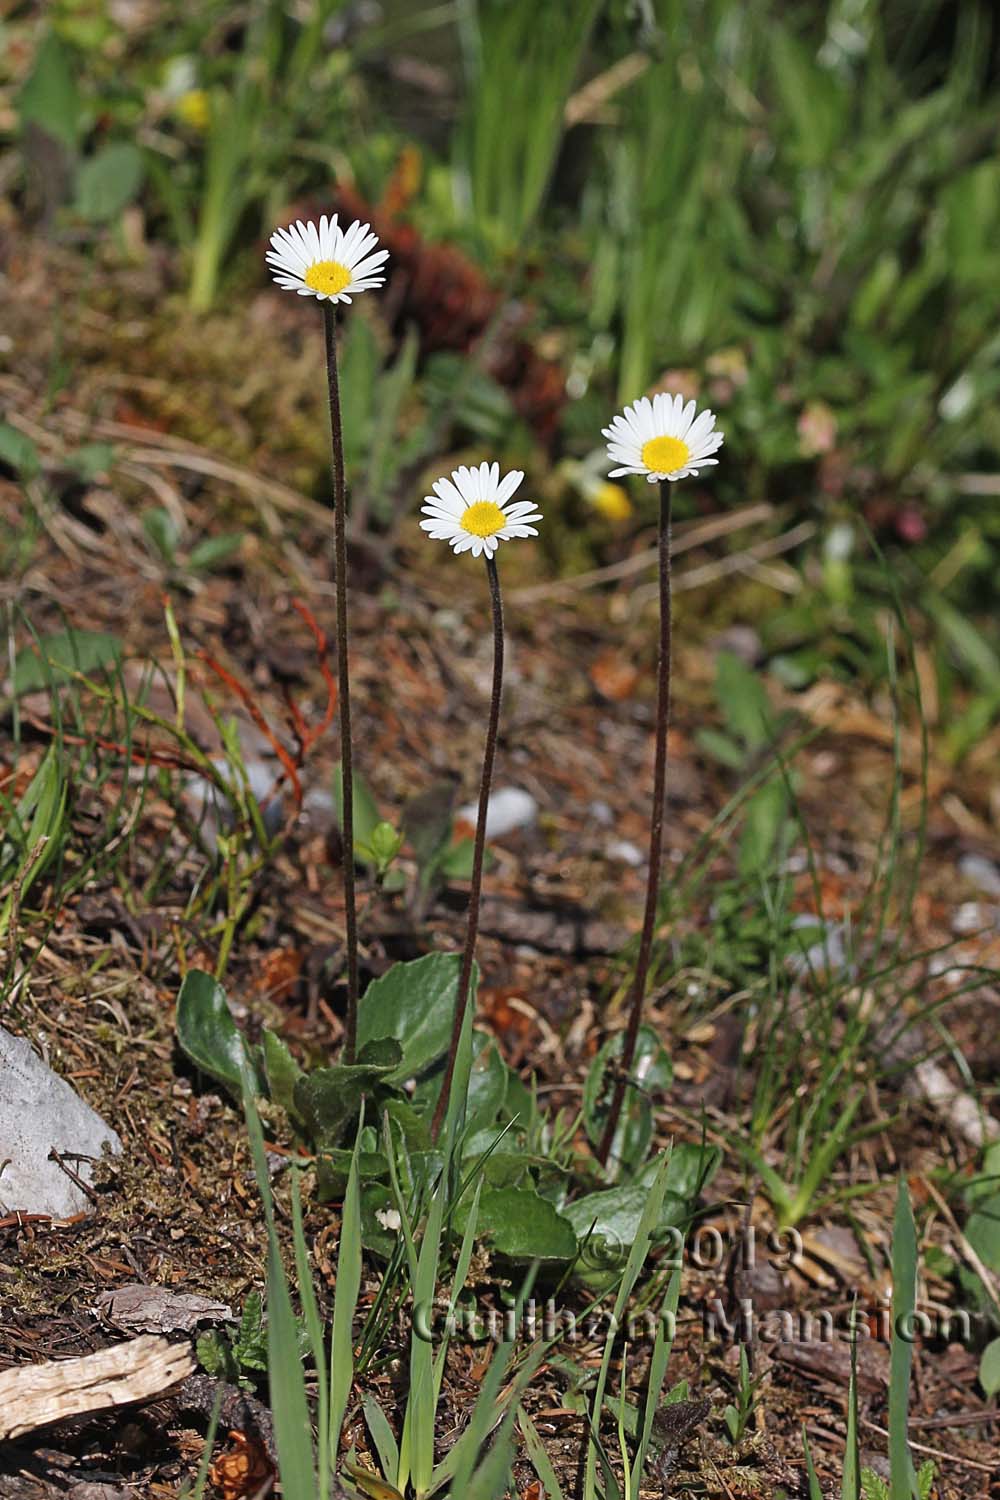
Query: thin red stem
[
  {"x": 638, "y": 993},
  {"x": 475, "y": 889},
  {"x": 343, "y": 678}
]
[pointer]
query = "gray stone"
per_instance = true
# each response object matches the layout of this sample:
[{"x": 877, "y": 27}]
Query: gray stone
[
  {"x": 981, "y": 872},
  {"x": 39, "y": 1112}
]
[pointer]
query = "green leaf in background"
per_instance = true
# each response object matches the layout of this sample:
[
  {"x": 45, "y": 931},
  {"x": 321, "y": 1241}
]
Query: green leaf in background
[
  {"x": 743, "y": 701},
  {"x": 108, "y": 181},
  {"x": 522, "y": 1226},
  {"x": 49, "y": 98},
  {"x": 721, "y": 748},
  {"x": 415, "y": 1003},
  {"x": 763, "y": 821},
  {"x": 91, "y": 459},
  {"x": 366, "y": 814},
  {"x": 213, "y": 550},
  {"x": 989, "y": 1368},
  {"x": 163, "y": 531},
  {"x": 207, "y": 1032},
  {"x": 651, "y": 1069},
  {"x": 54, "y": 657},
  {"x": 427, "y": 820},
  {"x": 35, "y": 832},
  {"x": 18, "y": 451},
  {"x": 982, "y": 1231}
]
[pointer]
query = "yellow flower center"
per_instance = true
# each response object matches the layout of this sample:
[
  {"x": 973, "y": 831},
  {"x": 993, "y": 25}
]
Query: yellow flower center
[
  {"x": 664, "y": 455},
  {"x": 328, "y": 277},
  {"x": 483, "y": 519}
]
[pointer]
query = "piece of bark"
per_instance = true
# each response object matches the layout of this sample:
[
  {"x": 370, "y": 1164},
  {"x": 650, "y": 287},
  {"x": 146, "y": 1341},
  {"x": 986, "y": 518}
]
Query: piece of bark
[
  {"x": 153, "y": 1309},
  {"x": 32, "y": 1396},
  {"x": 832, "y": 1362},
  {"x": 237, "y": 1409}
]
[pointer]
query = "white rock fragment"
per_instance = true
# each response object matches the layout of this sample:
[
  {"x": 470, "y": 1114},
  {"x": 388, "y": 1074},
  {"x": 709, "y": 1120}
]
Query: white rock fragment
[
  {"x": 39, "y": 1113},
  {"x": 980, "y": 872},
  {"x": 508, "y": 809},
  {"x": 628, "y": 854}
]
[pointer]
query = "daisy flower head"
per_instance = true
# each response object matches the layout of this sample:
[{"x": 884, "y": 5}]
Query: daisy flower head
[
  {"x": 322, "y": 260},
  {"x": 662, "y": 438},
  {"x": 473, "y": 510}
]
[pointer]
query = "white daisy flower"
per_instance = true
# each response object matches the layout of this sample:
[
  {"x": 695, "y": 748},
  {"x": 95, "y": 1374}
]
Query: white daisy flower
[
  {"x": 662, "y": 439},
  {"x": 472, "y": 510},
  {"x": 322, "y": 260}
]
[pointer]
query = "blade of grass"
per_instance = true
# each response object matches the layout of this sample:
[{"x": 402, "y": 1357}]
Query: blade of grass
[
  {"x": 289, "y": 1407},
  {"x": 633, "y": 1266},
  {"x": 902, "y": 1479},
  {"x": 345, "y": 1300},
  {"x": 537, "y": 1453},
  {"x": 659, "y": 1359}
]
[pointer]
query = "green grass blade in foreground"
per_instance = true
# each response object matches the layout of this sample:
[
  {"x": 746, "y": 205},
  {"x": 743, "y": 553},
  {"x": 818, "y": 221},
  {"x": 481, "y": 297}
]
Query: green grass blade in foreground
[
  {"x": 289, "y": 1407},
  {"x": 458, "y": 1281},
  {"x": 663, "y": 1344},
  {"x": 381, "y": 1434},
  {"x": 416, "y": 1462},
  {"x": 538, "y": 1455},
  {"x": 348, "y": 1286},
  {"x": 314, "y": 1332},
  {"x": 815, "y": 1488},
  {"x": 902, "y": 1479},
  {"x": 633, "y": 1266},
  {"x": 851, "y": 1485}
]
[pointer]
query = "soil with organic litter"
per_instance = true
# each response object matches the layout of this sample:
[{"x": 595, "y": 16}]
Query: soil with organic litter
[{"x": 98, "y": 975}]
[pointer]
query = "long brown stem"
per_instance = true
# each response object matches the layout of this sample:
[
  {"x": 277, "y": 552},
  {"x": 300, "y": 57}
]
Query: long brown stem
[
  {"x": 343, "y": 677},
  {"x": 638, "y": 994},
  {"x": 489, "y": 756}
]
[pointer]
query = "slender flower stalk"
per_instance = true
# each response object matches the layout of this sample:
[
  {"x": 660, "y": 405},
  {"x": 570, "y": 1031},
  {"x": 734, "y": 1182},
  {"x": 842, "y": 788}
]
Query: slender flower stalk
[
  {"x": 475, "y": 889},
  {"x": 474, "y": 511},
  {"x": 334, "y": 265},
  {"x": 663, "y": 686},
  {"x": 343, "y": 678},
  {"x": 664, "y": 440}
]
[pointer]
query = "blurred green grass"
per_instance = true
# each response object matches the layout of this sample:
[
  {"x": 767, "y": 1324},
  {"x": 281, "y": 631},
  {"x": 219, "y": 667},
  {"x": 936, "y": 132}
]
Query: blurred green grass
[{"x": 791, "y": 211}]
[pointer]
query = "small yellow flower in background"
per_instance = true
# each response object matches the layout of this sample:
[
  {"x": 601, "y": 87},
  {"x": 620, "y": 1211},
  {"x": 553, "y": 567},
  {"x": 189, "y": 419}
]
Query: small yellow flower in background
[
  {"x": 322, "y": 260},
  {"x": 662, "y": 438},
  {"x": 194, "y": 108},
  {"x": 612, "y": 501},
  {"x": 472, "y": 510}
]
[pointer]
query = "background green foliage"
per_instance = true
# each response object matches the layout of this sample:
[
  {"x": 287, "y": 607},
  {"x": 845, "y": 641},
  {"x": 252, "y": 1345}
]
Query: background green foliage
[{"x": 792, "y": 211}]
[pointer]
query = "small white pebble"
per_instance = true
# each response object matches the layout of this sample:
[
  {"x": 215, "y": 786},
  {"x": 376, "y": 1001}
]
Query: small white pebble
[
  {"x": 508, "y": 809},
  {"x": 628, "y": 853}
]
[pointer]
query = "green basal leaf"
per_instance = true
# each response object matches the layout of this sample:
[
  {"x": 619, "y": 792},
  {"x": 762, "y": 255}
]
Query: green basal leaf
[
  {"x": 282, "y": 1073},
  {"x": 206, "y": 1030},
  {"x": 415, "y": 1003},
  {"x": 521, "y": 1226},
  {"x": 328, "y": 1098}
]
